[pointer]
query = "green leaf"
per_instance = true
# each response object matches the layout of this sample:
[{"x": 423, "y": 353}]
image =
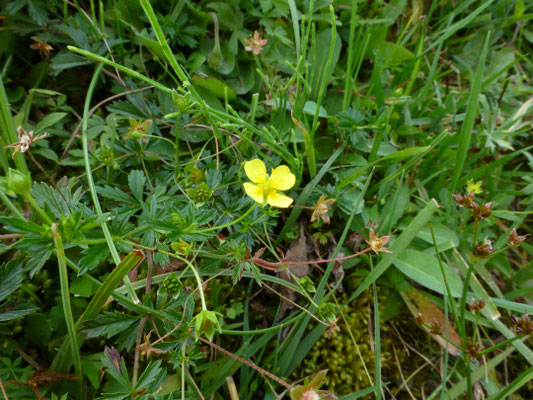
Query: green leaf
[
  {"x": 310, "y": 109},
  {"x": 47, "y": 153},
  {"x": 101, "y": 296},
  {"x": 390, "y": 159},
  {"x": 425, "y": 269},
  {"x": 402, "y": 155},
  {"x": 20, "y": 309},
  {"x": 115, "y": 194},
  {"x": 93, "y": 256},
  {"x": 151, "y": 375},
  {"x": 423, "y": 217},
  {"x": 214, "y": 86},
  {"x": 48, "y": 121},
  {"x": 446, "y": 237},
  {"x": 109, "y": 324},
  {"x": 468, "y": 123},
  {"x": 136, "y": 181},
  {"x": 10, "y": 278},
  {"x": 319, "y": 60},
  {"x": 82, "y": 286},
  {"x": 18, "y": 225},
  {"x": 393, "y": 53}
]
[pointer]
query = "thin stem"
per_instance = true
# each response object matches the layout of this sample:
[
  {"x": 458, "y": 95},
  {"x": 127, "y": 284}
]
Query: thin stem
[
  {"x": 65, "y": 298},
  {"x": 248, "y": 363},
  {"x": 447, "y": 286},
  {"x": 499, "y": 345},
  {"x": 377, "y": 335},
  {"x": 90, "y": 180},
  {"x": 9, "y": 204},
  {"x": 198, "y": 279},
  {"x": 34, "y": 204},
  {"x": 214, "y": 228}
]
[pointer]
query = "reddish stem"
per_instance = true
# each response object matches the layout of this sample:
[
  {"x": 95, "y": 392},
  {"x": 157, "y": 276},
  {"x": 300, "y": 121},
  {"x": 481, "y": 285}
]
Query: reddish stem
[{"x": 274, "y": 266}]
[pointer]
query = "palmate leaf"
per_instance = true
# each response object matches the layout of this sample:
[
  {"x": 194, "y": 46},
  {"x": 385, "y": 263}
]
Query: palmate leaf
[
  {"x": 93, "y": 256},
  {"x": 152, "y": 376},
  {"x": 109, "y": 324}
]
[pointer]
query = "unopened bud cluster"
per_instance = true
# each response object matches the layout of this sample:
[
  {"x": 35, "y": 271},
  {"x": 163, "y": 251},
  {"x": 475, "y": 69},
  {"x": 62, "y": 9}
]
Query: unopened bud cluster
[
  {"x": 476, "y": 306},
  {"x": 523, "y": 325},
  {"x": 480, "y": 212},
  {"x": 484, "y": 249}
]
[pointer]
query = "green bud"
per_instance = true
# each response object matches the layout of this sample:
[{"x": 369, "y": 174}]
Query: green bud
[
  {"x": 205, "y": 324},
  {"x": 18, "y": 182},
  {"x": 215, "y": 58},
  {"x": 196, "y": 175},
  {"x": 182, "y": 247},
  {"x": 183, "y": 103},
  {"x": 177, "y": 219},
  {"x": 201, "y": 193}
]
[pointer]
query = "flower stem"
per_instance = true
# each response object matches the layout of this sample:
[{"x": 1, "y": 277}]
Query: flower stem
[
  {"x": 214, "y": 228},
  {"x": 198, "y": 279}
]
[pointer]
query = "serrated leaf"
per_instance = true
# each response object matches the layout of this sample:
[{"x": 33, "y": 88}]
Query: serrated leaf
[
  {"x": 136, "y": 181},
  {"x": 20, "y": 309},
  {"x": 109, "y": 324},
  {"x": 18, "y": 225},
  {"x": 115, "y": 194},
  {"x": 10, "y": 278},
  {"x": 94, "y": 255},
  {"x": 149, "y": 375}
]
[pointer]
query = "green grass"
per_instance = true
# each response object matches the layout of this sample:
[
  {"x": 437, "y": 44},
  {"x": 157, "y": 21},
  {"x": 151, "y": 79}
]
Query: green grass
[{"x": 381, "y": 111}]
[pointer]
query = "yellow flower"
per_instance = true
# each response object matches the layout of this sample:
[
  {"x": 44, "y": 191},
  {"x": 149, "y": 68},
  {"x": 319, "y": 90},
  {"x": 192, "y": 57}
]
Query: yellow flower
[
  {"x": 475, "y": 187},
  {"x": 265, "y": 188}
]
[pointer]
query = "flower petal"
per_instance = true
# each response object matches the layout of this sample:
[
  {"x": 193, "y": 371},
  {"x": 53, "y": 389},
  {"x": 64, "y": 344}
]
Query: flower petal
[
  {"x": 282, "y": 178},
  {"x": 255, "y": 170},
  {"x": 279, "y": 200},
  {"x": 256, "y": 192}
]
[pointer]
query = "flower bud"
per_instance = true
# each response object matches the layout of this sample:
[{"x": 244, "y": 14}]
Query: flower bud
[
  {"x": 485, "y": 210},
  {"x": 484, "y": 250},
  {"x": 205, "y": 324},
  {"x": 524, "y": 325},
  {"x": 435, "y": 328},
  {"x": 473, "y": 349},
  {"x": 476, "y": 306},
  {"x": 18, "y": 182}
]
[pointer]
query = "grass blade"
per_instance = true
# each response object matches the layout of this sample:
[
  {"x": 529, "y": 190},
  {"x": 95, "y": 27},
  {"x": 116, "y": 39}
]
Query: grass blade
[
  {"x": 468, "y": 123},
  {"x": 399, "y": 245},
  {"x": 97, "y": 303}
]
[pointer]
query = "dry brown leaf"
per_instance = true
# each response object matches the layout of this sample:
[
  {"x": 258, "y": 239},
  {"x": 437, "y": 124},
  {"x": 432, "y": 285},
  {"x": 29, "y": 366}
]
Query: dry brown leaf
[{"x": 419, "y": 304}]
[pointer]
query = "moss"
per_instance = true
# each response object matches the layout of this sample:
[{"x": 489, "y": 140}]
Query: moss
[{"x": 339, "y": 355}]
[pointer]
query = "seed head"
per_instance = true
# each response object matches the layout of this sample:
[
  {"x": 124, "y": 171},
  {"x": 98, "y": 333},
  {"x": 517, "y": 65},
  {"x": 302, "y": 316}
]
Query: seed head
[{"x": 514, "y": 239}]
